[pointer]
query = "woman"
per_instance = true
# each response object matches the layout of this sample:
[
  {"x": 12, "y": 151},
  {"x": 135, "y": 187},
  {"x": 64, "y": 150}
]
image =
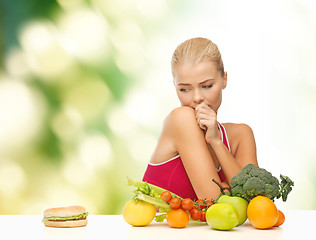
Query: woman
[{"x": 193, "y": 147}]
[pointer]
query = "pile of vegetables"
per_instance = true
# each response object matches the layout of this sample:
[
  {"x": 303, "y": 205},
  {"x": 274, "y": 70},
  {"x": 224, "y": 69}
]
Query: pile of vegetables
[
  {"x": 167, "y": 201},
  {"x": 253, "y": 185}
]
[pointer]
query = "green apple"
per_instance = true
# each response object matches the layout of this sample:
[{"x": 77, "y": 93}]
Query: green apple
[
  {"x": 222, "y": 216},
  {"x": 237, "y": 202}
]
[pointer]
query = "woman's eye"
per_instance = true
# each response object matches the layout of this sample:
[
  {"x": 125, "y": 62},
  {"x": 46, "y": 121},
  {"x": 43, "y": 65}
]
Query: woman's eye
[
  {"x": 207, "y": 86},
  {"x": 183, "y": 90}
]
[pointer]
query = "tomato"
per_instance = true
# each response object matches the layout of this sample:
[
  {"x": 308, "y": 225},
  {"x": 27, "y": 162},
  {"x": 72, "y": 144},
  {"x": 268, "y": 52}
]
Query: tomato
[
  {"x": 175, "y": 203},
  {"x": 195, "y": 214},
  {"x": 203, "y": 217},
  {"x": 209, "y": 203},
  {"x": 200, "y": 204},
  {"x": 187, "y": 204},
  {"x": 177, "y": 218},
  {"x": 165, "y": 196}
]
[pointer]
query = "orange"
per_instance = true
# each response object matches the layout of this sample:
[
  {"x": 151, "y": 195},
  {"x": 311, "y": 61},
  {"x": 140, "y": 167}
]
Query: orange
[
  {"x": 262, "y": 212},
  {"x": 281, "y": 219},
  {"x": 177, "y": 218}
]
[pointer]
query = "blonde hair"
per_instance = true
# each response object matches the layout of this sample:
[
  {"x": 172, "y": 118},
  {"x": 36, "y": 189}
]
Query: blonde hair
[{"x": 196, "y": 50}]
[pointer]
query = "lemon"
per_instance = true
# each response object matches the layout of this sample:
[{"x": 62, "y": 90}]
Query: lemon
[
  {"x": 139, "y": 214},
  {"x": 222, "y": 216}
]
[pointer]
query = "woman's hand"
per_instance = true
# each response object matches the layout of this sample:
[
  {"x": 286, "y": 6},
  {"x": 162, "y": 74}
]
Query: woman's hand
[{"x": 207, "y": 120}]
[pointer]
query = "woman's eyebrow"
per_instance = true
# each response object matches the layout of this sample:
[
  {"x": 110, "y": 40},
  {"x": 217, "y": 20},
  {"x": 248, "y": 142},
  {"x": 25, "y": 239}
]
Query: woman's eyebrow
[
  {"x": 209, "y": 79},
  {"x": 203, "y": 82},
  {"x": 183, "y": 84}
]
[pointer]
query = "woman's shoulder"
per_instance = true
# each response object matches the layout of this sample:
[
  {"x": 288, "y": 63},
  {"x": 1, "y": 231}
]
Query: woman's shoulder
[
  {"x": 181, "y": 117},
  {"x": 237, "y": 133},
  {"x": 180, "y": 121},
  {"x": 183, "y": 111},
  {"x": 237, "y": 128},
  {"x": 175, "y": 122}
]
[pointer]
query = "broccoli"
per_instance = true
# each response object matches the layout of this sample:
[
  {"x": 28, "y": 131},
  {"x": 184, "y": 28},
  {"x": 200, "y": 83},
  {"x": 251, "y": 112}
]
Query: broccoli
[{"x": 252, "y": 181}]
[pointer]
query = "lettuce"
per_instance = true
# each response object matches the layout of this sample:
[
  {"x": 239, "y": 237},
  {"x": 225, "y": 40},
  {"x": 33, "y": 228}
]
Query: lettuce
[{"x": 54, "y": 218}]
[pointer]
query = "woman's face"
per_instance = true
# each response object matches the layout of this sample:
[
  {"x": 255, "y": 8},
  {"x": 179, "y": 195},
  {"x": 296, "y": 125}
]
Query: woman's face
[{"x": 199, "y": 83}]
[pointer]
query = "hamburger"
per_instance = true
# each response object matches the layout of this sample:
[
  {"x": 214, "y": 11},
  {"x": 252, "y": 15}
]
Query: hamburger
[{"x": 65, "y": 217}]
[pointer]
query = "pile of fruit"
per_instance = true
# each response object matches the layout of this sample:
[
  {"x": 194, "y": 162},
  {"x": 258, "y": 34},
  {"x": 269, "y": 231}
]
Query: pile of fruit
[
  {"x": 228, "y": 211},
  {"x": 181, "y": 209}
]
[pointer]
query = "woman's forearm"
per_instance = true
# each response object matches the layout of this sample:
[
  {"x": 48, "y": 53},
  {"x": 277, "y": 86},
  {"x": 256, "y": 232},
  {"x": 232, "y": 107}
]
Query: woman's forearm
[{"x": 226, "y": 160}]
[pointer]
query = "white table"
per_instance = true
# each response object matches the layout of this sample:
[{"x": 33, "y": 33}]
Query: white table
[{"x": 297, "y": 223}]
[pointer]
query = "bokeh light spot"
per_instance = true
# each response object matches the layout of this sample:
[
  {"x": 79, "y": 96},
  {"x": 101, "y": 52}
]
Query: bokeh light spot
[
  {"x": 95, "y": 151},
  {"x": 85, "y": 34},
  {"x": 12, "y": 179},
  {"x": 89, "y": 97},
  {"x": 67, "y": 124},
  {"x": 142, "y": 108},
  {"x": 45, "y": 54},
  {"x": 21, "y": 116}
]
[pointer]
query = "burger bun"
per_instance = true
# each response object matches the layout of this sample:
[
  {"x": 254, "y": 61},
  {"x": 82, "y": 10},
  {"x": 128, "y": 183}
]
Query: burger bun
[{"x": 65, "y": 212}]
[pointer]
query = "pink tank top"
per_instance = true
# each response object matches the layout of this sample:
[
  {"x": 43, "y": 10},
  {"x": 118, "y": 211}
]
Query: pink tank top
[{"x": 171, "y": 174}]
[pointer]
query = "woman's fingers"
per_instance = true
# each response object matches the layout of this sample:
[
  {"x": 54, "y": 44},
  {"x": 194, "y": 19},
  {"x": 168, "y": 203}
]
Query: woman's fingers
[
  {"x": 203, "y": 124},
  {"x": 207, "y": 120},
  {"x": 204, "y": 121},
  {"x": 204, "y": 112},
  {"x": 205, "y": 116},
  {"x": 203, "y": 108}
]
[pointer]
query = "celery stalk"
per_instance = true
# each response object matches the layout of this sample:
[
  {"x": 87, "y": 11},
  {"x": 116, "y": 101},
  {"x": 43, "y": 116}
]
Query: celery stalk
[
  {"x": 148, "y": 188},
  {"x": 157, "y": 202}
]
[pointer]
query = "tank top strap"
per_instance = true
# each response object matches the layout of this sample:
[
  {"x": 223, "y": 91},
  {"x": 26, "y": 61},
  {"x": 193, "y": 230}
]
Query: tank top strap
[{"x": 224, "y": 135}]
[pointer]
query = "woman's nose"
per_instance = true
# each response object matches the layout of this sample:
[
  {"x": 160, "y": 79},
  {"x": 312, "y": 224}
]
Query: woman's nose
[{"x": 198, "y": 96}]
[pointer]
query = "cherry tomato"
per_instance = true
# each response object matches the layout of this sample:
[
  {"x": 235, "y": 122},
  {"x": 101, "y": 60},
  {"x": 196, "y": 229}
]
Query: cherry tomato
[
  {"x": 175, "y": 203},
  {"x": 209, "y": 203},
  {"x": 200, "y": 204},
  {"x": 195, "y": 214},
  {"x": 203, "y": 217},
  {"x": 165, "y": 196},
  {"x": 187, "y": 204}
]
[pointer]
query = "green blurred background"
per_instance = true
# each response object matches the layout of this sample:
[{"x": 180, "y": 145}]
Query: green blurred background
[{"x": 85, "y": 86}]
